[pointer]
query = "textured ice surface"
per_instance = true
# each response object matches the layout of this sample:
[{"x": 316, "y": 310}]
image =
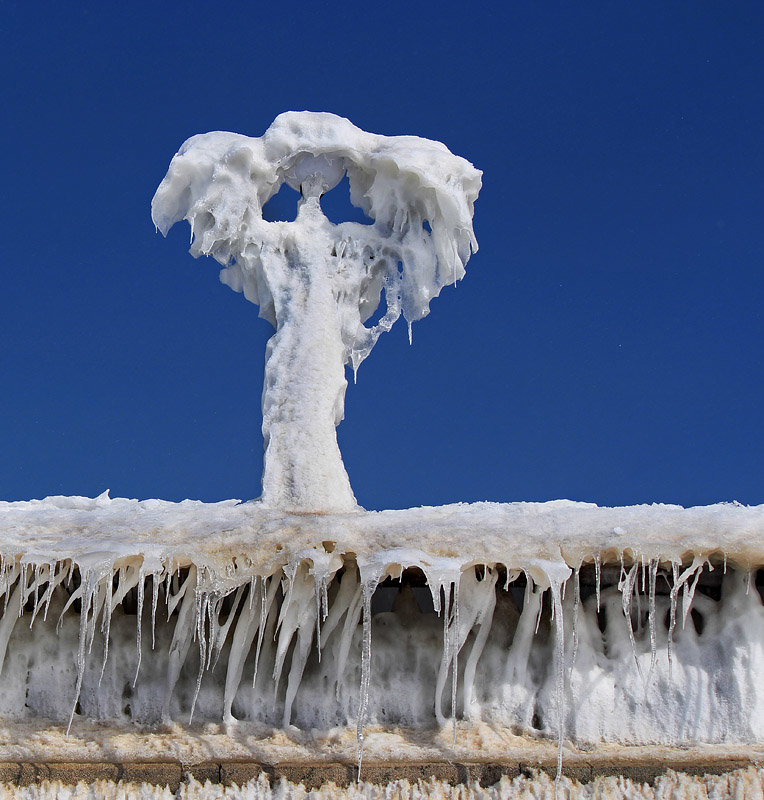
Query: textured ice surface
[
  {"x": 628, "y": 625},
  {"x": 745, "y": 784},
  {"x": 319, "y": 283}
]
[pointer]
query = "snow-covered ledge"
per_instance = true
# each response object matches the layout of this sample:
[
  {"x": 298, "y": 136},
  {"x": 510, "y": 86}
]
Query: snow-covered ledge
[{"x": 546, "y": 613}]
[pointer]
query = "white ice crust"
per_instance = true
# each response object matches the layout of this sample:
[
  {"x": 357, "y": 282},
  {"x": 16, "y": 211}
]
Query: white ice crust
[
  {"x": 280, "y": 610},
  {"x": 317, "y": 282}
]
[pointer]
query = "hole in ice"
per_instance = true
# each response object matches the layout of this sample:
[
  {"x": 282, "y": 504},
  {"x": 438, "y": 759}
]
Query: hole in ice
[
  {"x": 378, "y": 312},
  {"x": 394, "y": 593},
  {"x": 602, "y": 620},
  {"x": 337, "y": 207},
  {"x": 282, "y": 207},
  {"x": 383, "y": 599},
  {"x": 423, "y": 597},
  {"x": 426, "y": 226},
  {"x": 697, "y": 620}
]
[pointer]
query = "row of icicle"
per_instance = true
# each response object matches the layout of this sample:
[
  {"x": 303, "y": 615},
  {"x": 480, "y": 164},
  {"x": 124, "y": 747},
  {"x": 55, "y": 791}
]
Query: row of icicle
[{"x": 196, "y": 596}]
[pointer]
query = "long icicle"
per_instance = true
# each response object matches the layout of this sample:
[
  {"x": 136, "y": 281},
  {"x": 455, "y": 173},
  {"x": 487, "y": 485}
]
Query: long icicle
[{"x": 368, "y": 588}]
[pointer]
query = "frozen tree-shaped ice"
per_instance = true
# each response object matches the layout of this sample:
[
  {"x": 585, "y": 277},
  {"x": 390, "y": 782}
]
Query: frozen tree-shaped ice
[{"x": 317, "y": 282}]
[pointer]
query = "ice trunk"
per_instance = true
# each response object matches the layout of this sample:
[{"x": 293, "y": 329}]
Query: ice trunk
[{"x": 304, "y": 389}]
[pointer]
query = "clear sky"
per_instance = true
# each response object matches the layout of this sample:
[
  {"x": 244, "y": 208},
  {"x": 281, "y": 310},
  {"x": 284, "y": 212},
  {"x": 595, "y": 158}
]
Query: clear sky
[{"x": 607, "y": 343}]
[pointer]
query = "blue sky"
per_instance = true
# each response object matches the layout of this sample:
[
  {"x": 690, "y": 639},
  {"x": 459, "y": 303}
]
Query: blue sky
[{"x": 606, "y": 345}]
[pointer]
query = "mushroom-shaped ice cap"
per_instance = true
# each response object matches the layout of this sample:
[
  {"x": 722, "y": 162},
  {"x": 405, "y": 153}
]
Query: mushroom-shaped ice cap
[{"x": 419, "y": 195}]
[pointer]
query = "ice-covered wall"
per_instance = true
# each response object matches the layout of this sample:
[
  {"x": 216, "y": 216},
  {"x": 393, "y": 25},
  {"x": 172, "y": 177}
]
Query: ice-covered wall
[
  {"x": 630, "y": 625},
  {"x": 319, "y": 283}
]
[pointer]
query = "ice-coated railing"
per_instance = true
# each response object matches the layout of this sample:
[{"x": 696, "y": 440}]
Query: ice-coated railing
[{"x": 631, "y": 625}]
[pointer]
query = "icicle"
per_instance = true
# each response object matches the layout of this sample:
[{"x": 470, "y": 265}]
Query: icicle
[
  {"x": 348, "y": 629},
  {"x": 58, "y": 579},
  {"x": 39, "y": 602},
  {"x": 318, "y": 619},
  {"x": 222, "y": 630},
  {"x": 449, "y": 654},
  {"x": 265, "y": 607},
  {"x": 36, "y": 583},
  {"x": 243, "y": 635},
  {"x": 76, "y": 594},
  {"x": 576, "y": 603},
  {"x": 483, "y": 619},
  {"x": 23, "y": 582},
  {"x": 672, "y": 613},
  {"x": 651, "y": 616},
  {"x": 518, "y": 660},
  {"x": 8, "y": 622},
  {"x": 411, "y": 337},
  {"x": 87, "y": 599},
  {"x": 446, "y": 653},
  {"x": 324, "y": 598},
  {"x": 455, "y": 660},
  {"x": 138, "y": 623},
  {"x": 212, "y": 628},
  {"x": 168, "y": 588},
  {"x": 626, "y": 587},
  {"x": 301, "y": 619},
  {"x": 368, "y": 588},
  {"x": 342, "y": 601},
  {"x": 597, "y": 576},
  {"x": 555, "y": 587},
  {"x": 473, "y": 602},
  {"x": 181, "y": 638},
  {"x": 299, "y": 659},
  {"x": 689, "y": 593},
  {"x": 106, "y": 621},
  {"x": 293, "y": 613},
  {"x": 9, "y": 578},
  {"x": 202, "y": 610},
  {"x": 154, "y": 599},
  {"x": 436, "y": 588},
  {"x": 98, "y": 590}
]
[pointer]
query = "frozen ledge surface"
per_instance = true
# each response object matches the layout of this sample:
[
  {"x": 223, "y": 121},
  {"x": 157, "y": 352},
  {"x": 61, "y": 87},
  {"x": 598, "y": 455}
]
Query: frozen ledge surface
[
  {"x": 44, "y": 742},
  {"x": 512, "y": 534}
]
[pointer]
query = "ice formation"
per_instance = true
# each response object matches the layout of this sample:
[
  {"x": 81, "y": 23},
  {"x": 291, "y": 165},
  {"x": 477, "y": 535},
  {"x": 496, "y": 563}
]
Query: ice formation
[
  {"x": 563, "y": 621},
  {"x": 626, "y": 625},
  {"x": 317, "y": 282},
  {"x": 747, "y": 784}
]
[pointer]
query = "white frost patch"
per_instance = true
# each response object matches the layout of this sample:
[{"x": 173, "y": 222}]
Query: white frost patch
[{"x": 319, "y": 283}]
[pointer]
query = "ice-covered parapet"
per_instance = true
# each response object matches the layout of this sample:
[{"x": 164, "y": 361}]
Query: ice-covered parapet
[
  {"x": 639, "y": 625},
  {"x": 319, "y": 283}
]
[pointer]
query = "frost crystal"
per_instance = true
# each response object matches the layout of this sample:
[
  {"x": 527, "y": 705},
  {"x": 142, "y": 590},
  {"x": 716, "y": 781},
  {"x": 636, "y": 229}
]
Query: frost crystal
[{"x": 319, "y": 283}]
